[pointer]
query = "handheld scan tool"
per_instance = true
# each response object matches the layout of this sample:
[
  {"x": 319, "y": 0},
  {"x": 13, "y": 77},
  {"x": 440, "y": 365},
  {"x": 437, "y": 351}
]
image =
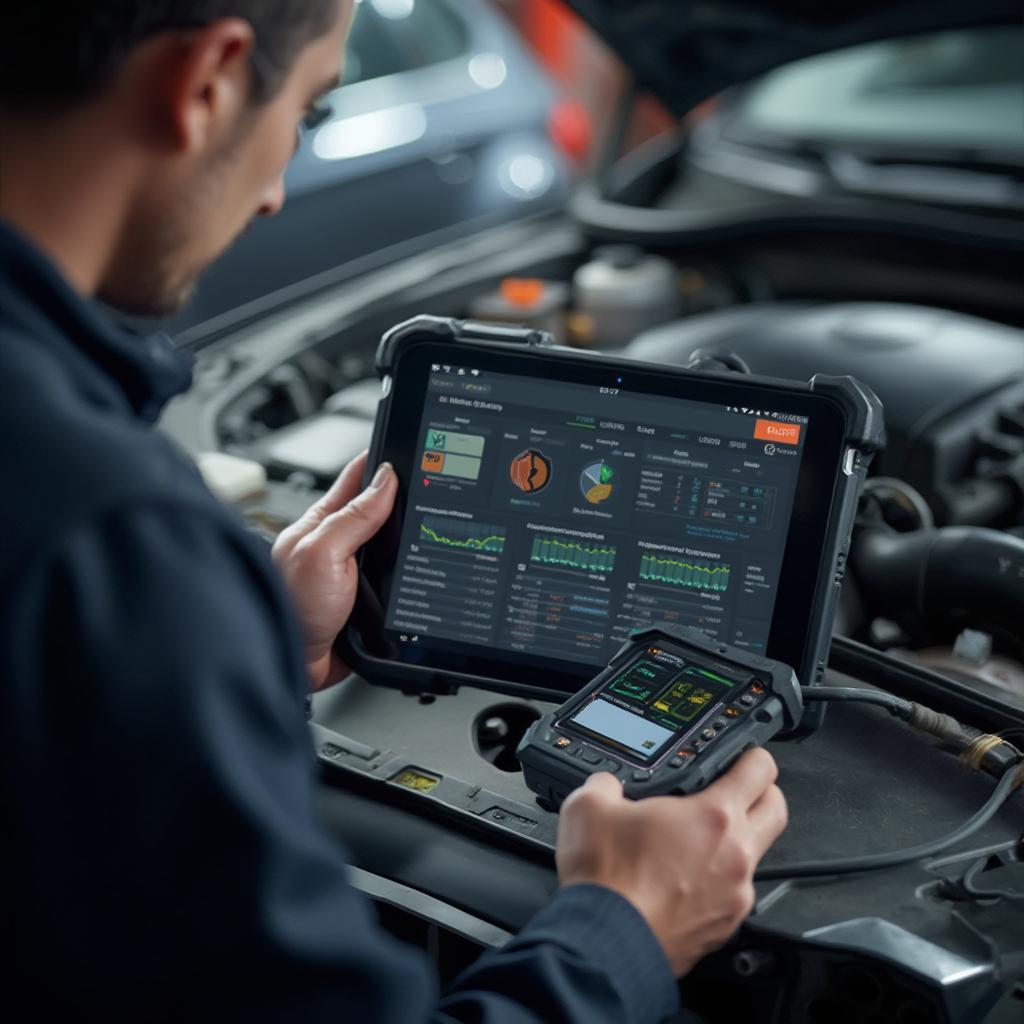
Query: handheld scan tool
[{"x": 669, "y": 714}]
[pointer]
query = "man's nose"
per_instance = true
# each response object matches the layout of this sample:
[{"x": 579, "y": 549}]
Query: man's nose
[{"x": 274, "y": 199}]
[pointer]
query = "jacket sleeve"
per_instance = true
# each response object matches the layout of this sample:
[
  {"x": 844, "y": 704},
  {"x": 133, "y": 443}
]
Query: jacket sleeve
[{"x": 164, "y": 821}]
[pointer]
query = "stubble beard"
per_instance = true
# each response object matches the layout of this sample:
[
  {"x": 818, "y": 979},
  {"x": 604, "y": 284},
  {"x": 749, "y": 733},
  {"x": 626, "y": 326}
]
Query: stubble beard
[{"x": 158, "y": 269}]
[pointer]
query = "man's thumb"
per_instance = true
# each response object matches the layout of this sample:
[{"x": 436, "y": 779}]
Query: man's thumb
[{"x": 350, "y": 528}]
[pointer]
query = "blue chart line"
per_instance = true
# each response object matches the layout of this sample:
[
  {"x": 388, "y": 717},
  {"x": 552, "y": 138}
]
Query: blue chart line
[{"x": 588, "y": 610}]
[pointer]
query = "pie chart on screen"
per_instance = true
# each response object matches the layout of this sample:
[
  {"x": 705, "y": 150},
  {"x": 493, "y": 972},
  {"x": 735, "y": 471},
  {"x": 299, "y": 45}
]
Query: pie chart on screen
[{"x": 596, "y": 482}]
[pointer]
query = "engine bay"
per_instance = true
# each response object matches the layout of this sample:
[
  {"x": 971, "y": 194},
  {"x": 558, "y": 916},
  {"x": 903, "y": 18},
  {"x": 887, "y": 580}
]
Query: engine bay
[
  {"x": 426, "y": 791},
  {"x": 297, "y": 397}
]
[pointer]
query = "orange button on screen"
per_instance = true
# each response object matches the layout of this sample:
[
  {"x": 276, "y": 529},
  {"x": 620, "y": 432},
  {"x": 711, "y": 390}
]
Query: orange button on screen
[{"x": 780, "y": 433}]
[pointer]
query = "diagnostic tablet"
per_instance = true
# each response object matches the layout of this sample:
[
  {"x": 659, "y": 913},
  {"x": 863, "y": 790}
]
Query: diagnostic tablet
[{"x": 551, "y": 502}]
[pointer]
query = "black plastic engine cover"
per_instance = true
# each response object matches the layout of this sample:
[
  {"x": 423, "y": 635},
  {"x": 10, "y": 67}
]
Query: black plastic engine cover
[{"x": 952, "y": 385}]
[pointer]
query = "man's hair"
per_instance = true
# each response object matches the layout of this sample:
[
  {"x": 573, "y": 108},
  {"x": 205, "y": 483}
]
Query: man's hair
[{"x": 54, "y": 56}]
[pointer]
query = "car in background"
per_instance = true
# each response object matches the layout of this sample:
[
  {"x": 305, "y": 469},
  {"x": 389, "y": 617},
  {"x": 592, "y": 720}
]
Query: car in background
[{"x": 444, "y": 122}]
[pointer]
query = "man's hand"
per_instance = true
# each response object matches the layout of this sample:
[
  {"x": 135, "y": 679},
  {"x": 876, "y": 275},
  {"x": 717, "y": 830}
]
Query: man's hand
[
  {"x": 686, "y": 863},
  {"x": 316, "y": 556}
]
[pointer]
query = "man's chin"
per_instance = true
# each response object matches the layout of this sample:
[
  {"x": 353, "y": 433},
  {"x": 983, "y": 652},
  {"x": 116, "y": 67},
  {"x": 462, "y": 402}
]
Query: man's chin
[{"x": 156, "y": 304}]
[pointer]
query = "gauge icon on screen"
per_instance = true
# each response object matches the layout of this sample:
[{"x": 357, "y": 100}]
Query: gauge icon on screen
[
  {"x": 530, "y": 471},
  {"x": 596, "y": 482}
]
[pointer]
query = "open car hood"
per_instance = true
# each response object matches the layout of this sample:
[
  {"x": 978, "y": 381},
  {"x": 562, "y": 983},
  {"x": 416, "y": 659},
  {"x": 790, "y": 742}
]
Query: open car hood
[{"x": 684, "y": 51}]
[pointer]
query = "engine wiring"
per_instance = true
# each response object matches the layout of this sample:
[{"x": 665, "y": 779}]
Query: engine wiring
[
  {"x": 848, "y": 694},
  {"x": 978, "y": 751},
  {"x": 969, "y": 884}
]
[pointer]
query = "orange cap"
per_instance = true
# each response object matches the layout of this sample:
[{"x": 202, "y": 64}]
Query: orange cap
[{"x": 522, "y": 291}]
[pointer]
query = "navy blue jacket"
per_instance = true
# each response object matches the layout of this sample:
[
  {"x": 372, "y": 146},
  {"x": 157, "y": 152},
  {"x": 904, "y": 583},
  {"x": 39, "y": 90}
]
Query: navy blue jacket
[{"x": 161, "y": 855}]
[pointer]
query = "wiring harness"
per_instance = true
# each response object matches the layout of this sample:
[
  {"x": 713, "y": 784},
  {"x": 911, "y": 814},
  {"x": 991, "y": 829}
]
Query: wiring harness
[{"x": 978, "y": 751}]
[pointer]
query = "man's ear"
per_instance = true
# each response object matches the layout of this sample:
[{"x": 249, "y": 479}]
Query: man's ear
[{"x": 209, "y": 83}]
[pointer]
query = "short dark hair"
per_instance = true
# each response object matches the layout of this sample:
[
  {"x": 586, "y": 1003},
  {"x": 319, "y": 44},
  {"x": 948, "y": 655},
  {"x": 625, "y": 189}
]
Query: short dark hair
[{"x": 57, "y": 55}]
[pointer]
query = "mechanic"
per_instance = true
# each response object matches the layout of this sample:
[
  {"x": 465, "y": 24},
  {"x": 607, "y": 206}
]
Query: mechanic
[{"x": 162, "y": 856}]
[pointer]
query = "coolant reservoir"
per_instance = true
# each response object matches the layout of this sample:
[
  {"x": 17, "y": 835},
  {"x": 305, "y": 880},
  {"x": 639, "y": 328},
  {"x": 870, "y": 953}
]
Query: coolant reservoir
[
  {"x": 528, "y": 301},
  {"x": 621, "y": 292}
]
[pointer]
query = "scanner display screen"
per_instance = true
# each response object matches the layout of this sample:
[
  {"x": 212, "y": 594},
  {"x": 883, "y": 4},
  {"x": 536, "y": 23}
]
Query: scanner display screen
[{"x": 656, "y": 697}]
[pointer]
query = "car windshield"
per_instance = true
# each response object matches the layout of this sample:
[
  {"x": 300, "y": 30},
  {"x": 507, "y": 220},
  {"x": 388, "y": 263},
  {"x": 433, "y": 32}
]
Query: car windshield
[
  {"x": 963, "y": 88},
  {"x": 393, "y": 36}
]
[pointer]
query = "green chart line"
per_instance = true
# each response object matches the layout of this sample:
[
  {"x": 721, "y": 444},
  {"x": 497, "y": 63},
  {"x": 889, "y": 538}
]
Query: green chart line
[
  {"x": 699, "y": 576},
  {"x": 494, "y": 544},
  {"x": 550, "y": 551}
]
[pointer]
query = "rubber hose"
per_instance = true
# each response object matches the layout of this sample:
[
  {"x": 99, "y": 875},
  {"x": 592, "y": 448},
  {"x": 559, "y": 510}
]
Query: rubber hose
[{"x": 942, "y": 580}]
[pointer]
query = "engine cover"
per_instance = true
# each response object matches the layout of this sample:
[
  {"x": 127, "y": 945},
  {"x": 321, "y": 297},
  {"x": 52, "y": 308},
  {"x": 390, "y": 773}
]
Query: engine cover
[{"x": 952, "y": 385}]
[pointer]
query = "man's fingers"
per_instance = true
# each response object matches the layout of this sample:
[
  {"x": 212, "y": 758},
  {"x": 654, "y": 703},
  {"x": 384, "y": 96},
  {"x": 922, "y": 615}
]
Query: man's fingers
[
  {"x": 350, "y": 528},
  {"x": 343, "y": 490},
  {"x": 604, "y": 783},
  {"x": 746, "y": 781},
  {"x": 599, "y": 787},
  {"x": 593, "y": 796},
  {"x": 768, "y": 817}
]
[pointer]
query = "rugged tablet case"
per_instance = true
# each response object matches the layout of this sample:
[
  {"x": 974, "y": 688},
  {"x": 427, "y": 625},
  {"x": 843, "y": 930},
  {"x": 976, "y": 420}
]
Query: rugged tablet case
[{"x": 865, "y": 435}]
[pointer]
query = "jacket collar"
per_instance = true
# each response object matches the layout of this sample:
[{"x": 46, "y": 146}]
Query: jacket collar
[{"x": 143, "y": 370}]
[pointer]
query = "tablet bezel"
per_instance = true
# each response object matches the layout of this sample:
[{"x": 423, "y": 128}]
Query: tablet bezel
[{"x": 803, "y": 577}]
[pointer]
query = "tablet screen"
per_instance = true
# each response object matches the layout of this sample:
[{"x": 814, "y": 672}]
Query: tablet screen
[{"x": 550, "y": 518}]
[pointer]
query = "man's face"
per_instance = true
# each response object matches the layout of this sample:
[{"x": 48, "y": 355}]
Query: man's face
[{"x": 183, "y": 223}]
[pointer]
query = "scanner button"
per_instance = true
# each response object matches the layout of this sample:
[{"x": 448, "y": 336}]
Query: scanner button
[
  {"x": 732, "y": 712},
  {"x": 563, "y": 742},
  {"x": 641, "y": 776},
  {"x": 757, "y": 687},
  {"x": 590, "y": 756}
]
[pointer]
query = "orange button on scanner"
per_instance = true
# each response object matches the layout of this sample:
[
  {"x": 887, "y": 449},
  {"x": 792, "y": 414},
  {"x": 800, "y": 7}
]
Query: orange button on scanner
[{"x": 780, "y": 433}]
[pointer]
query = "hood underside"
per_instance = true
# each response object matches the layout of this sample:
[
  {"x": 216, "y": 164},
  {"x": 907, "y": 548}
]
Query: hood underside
[{"x": 684, "y": 51}]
